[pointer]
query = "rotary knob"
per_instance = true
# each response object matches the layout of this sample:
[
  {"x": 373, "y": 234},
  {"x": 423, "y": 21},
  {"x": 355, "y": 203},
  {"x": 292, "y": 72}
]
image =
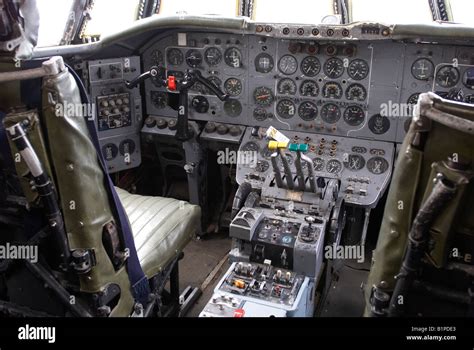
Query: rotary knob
[
  {"x": 210, "y": 127},
  {"x": 161, "y": 123},
  {"x": 172, "y": 124},
  {"x": 234, "y": 130},
  {"x": 222, "y": 129},
  {"x": 150, "y": 122}
]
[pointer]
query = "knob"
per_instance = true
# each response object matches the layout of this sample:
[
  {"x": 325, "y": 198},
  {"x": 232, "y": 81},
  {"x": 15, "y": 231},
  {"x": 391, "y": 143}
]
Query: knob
[
  {"x": 172, "y": 124},
  {"x": 112, "y": 103},
  {"x": 150, "y": 122},
  {"x": 234, "y": 130},
  {"x": 222, "y": 129},
  {"x": 119, "y": 102},
  {"x": 210, "y": 127},
  {"x": 126, "y": 101},
  {"x": 161, "y": 123},
  {"x": 104, "y": 103}
]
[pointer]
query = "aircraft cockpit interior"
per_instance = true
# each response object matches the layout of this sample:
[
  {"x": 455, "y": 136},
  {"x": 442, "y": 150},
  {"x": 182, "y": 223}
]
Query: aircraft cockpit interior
[{"x": 237, "y": 158}]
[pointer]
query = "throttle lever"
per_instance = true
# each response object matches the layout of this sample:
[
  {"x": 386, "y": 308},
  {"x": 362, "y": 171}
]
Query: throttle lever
[
  {"x": 152, "y": 73},
  {"x": 215, "y": 90}
]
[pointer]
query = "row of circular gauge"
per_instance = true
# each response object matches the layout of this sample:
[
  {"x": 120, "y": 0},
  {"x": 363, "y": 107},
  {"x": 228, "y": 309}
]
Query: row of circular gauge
[
  {"x": 354, "y": 162},
  {"x": 447, "y": 76},
  {"x": 310, "y": 66},
  {"x": 263, "y": 96}
]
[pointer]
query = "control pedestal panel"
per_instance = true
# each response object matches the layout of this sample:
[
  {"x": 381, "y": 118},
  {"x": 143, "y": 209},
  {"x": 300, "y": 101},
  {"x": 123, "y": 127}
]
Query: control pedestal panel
[
  {"x": 249, "y": 289},
  {"x": 118, "y": 110}
]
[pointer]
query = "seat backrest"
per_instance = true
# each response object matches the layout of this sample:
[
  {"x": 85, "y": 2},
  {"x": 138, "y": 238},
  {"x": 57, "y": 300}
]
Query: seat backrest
[
  {"x": 439, "y": 143},
  {"x": 59, "y": 134}
]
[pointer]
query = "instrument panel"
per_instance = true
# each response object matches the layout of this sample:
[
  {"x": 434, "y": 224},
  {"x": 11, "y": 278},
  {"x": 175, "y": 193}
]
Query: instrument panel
[{"x": 360, "y": 89}]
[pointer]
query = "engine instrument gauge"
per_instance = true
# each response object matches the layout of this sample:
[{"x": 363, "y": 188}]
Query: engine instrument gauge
[
  {"x": 413, "y": 99},
  {"x": 468, "y": 78},
  {"x": 330, "y": 113},
  {"x": 233, "y": 86},
  {"x": 263, "y": 96},
  {"x": 286, "y": 109},
  {"x": 334, "y": 67},
  {"x": 356, "y": 92},
  {"x": 379, "y": 124},
  {"x": 159, "y": 99},
  {"x": 213, "y": 56},
  {"x": 354, "y": 115},
  {"x": 174, "y": 57},
  {"x": 286, "y": 86},
  {"x": 358, "y": 69},
  {"x": 193, "y": 58},
  {"x": 447, "y": 76},
  {"x": 250, "y": 147},
  {"x": 422, "y": 69},
  {"x": 233, "y": 57},
  {"x": 309, "y": 88},
  {"x": 287, "y": 65},
  {"x": 332, "y": 90},
  {"x": 334, "y": 166},
  {"x": 157, "y": 58},
  {"x": 233, "y": 108},
  {"x": 354, "y": 162},
  {"x": 308, "y": 111},
  {"x": 310, "y": 66},
  {"x": 318, "y": 164},
  {"x": 260, "y": 114},
  {"x": 264, "y": 63},
  {"x": 377, "y": 165}
]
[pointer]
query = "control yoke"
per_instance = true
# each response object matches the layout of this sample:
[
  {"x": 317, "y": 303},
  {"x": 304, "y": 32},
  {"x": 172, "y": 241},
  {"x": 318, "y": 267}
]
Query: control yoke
[{"x": 181, "y": 85}]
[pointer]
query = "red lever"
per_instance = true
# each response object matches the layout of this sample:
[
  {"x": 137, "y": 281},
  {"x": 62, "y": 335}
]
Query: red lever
[{"x": 172, "y": 83}]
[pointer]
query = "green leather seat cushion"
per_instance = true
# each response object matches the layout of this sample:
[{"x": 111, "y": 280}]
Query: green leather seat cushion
[{"x": 161, "y": 227}]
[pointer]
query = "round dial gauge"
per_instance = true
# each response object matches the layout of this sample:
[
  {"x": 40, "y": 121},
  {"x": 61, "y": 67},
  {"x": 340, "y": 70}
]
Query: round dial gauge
[
  {"x": 174, "y": 57},
  {"x": 250, "y": 147},
  {"x": 263, "y": 96},
  {"x": 286, "y": 109},
  {"x": 287, "y": 65},
  {"x": 233, "y": 86},
  {"x": 330, "y": 113},
  {"x": 377, "y": 165},
  {"x": 286, "y": 86},
  {"x": 159, "y": 99},
  {"x": 334, "y": 67},
  {"x": 193, "y": 58},
  {"x": 354, "y": 162},
  {"x": 334, "y": 166},
  {"x": 422, "y": 69},
  {"x": 468, "y": 78},
  {"x": 213, "y": 56},
  {"x": 157, "y": 58},
  {"x": 379, "y": 124},
  {"x": 358, "y": 69},
  {"x": 233, "y": 108},
  {"x": 354, "y": 115},
  {"x": 413, "y": 99},
  {"x": 262, "y": 166},
  {"x": 447, "y": 76},
  {"x": 260, "y": 114},
  {"x": 308, "y": 111},
  {"x": 332, "y": 90},
  {"x": 264, "y": 63},
  {"x": 318, "y": 164},
  {"x": 233, "y": 57},
  {"x": 310, "y": 66},
  {"x": 309, "y": 88},
  {"x": 356, "y": 92}
]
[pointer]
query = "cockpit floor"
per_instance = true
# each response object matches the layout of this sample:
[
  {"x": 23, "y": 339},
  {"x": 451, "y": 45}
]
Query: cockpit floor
[{"x": 204, "y": 263}]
